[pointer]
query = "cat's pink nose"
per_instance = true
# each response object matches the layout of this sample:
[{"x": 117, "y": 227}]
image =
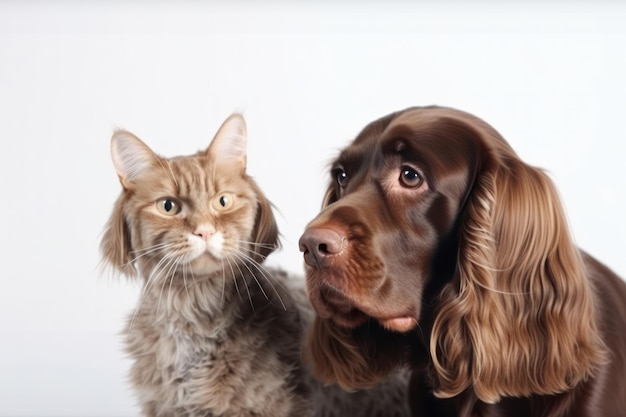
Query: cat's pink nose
[{"x": 204, "y": 232}]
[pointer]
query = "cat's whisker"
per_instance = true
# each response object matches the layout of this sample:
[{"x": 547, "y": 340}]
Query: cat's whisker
[
  {"x": 150, "y": 249},
  {"x": 152, "y": 278},
  {"x": 194, "y": 280},
  {"x": 264, "y": 273},
  {"x": 243, "y": 258},
  {"x": 173, "y": 269},
  {"x": 253, "y": 249},
  {"x": 258, "y": 245},
  {"x": 223, "y": 297},
  {"x": 241, "y": 273},
  {"x": 244, "y": 253},
  {"x": 233, "y": 276},
  {"x": 188, "y": 263},
  {"x": 170, "y": 264},
  {"x": 157, "y": 271}
]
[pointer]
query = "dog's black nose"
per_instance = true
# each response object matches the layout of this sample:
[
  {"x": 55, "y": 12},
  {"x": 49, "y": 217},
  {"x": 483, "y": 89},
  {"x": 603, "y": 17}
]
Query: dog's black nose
[{"x": 319, "y": 244}]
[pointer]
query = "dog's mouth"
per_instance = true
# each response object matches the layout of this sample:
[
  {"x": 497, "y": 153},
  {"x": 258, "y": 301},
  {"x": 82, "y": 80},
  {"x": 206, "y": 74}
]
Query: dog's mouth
[{"x": 332, "y": 304}]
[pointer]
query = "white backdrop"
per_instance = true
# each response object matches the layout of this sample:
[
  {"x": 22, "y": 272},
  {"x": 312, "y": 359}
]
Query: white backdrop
[{"x": 549, "y": 76}]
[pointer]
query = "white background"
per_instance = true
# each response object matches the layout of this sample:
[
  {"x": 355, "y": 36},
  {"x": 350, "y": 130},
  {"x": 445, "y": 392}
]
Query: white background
[{"x": 551, "y": 77}]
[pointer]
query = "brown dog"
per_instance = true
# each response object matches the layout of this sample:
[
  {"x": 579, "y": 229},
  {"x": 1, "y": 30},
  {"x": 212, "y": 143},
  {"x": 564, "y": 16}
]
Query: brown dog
[{"x": 438, "y": 247}]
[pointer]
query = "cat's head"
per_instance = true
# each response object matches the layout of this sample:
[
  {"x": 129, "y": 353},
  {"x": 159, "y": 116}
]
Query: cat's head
[{"x": 197, "y": 214}]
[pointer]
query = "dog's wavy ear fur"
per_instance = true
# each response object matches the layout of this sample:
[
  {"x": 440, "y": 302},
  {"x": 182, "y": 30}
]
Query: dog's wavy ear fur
[{"x": 518, "y": 318}]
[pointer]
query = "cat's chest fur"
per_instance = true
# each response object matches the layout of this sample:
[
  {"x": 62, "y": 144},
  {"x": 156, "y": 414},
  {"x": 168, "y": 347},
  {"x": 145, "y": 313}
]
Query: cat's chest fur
[
  {"x": 192, "y": 347},
  {"x": 198, "y": 363}
]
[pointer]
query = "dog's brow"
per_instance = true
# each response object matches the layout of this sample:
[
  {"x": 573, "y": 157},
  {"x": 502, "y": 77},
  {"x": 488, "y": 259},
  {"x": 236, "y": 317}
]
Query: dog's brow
[{"x": 350, "y": 159}]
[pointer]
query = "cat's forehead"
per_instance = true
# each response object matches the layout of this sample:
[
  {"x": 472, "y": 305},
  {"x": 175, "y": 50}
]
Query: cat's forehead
[{"x": 193, "y": 174}]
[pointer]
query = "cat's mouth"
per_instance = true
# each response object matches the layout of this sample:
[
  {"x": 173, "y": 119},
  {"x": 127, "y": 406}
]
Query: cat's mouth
[
  {"x": 203, "y": 246},
  {"x": 201, "y": 265}
]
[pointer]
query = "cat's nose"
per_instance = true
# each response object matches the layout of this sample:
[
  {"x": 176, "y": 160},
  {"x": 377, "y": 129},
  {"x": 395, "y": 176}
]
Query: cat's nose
[{"x": 204, "y": 232}]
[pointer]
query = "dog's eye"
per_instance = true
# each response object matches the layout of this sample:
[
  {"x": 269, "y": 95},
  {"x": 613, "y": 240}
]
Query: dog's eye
[
  {"x": 410, "y": 178},
  {"x": 342, "y": 177}
]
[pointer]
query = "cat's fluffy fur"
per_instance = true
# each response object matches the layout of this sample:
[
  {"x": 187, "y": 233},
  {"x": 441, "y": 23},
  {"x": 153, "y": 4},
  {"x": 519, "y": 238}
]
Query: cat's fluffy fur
[{"x": 214, "y": 333}]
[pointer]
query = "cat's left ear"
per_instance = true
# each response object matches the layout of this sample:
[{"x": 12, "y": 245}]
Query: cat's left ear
[{"x": 230, "y": 142}]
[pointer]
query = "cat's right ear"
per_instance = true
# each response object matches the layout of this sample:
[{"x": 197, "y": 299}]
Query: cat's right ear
[{"x": 131, "y": 157}]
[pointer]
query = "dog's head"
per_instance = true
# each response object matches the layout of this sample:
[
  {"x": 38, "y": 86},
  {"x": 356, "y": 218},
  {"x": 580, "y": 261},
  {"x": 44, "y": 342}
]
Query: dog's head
[
  {"x": 432, "y": 220},
  {"x": 389, "y": 215}
]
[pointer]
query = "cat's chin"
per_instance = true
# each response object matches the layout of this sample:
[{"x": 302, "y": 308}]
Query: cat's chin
[{"x": 204, "y": 265}]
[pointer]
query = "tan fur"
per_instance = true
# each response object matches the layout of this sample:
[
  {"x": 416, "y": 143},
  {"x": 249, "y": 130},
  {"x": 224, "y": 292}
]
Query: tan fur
[{"x": 210, "y": 338}]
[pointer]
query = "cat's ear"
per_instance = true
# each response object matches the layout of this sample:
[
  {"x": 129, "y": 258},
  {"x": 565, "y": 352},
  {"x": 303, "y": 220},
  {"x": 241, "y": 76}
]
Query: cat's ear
[
  {"x": 116, "y": 246},
  {"x": 230, "y": 142},
  {"x": 265, "y": 233},
  {"x": 131, "y": 157}
]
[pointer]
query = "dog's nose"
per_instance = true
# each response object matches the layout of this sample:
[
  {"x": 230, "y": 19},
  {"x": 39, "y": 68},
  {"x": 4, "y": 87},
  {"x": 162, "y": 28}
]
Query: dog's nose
[{"x": 319, "y": 244}]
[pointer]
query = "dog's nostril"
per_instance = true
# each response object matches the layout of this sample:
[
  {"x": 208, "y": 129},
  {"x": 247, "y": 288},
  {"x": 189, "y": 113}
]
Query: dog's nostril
[{"x": 318, "y": 244}]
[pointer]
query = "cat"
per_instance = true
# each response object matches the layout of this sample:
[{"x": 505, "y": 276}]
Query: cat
[{"x": 215, "y": 333}]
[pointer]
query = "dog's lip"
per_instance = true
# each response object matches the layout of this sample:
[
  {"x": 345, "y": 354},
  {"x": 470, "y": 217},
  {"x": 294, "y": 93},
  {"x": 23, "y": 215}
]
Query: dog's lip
[
  {"x": 355, "y": 317},
  {"x": 350, "y": 319},
  {"x": 331, "y": 303},
  {"x": 400, "y": 324}
]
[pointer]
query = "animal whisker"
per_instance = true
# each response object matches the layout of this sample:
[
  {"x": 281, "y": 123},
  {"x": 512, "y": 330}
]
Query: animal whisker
[
  {"x": 170, "y": 265},
  {"x": 258, "y": 245},
  {"x": 243, "y": 260},
  {"x": 263, "y": 272},
  {"x": 233, "y": 276},
  {"x": 241, "y": 273},
  {"x": 152, "y": 278},
  {"x": 148, "y": 250},
  {"x": 185, "y": 265}
]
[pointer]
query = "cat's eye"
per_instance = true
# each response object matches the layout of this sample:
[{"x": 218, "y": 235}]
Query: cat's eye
[
  {"x": 169, "y": 206},
  {"x": 223, "y": 201},
  {"x": 410, "y": 177}
]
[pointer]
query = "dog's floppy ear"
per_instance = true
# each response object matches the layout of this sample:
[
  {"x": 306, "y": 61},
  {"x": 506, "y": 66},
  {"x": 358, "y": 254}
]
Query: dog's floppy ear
[{"x": 519, "y": 317}]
